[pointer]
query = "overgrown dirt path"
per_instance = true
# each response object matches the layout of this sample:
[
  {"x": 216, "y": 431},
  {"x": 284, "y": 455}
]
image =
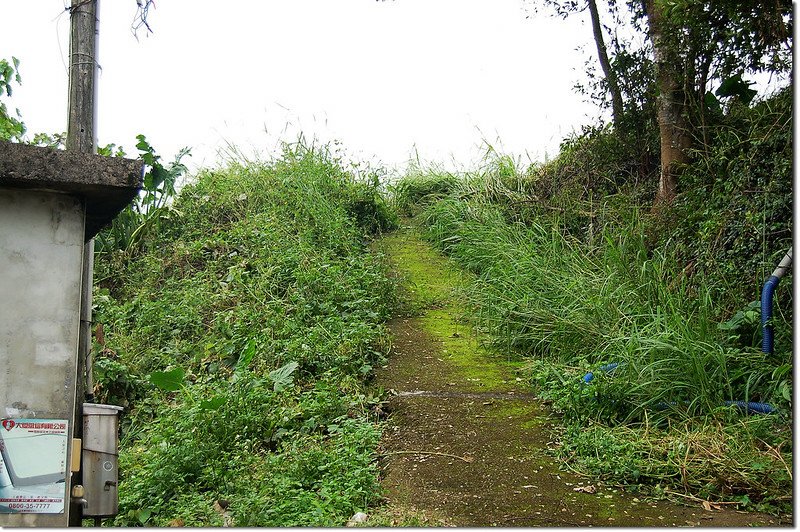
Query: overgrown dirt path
[{"x": 466, "y": 443}]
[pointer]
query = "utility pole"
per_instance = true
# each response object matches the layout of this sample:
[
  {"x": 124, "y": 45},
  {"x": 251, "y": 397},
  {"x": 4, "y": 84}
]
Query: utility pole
[
  {"x": 81, "y": 127},
  {"x": 81, "y": 137}
]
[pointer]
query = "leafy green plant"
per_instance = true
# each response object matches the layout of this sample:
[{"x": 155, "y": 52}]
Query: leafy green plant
[
  {"x": 169, "y": 381},
  {"x": 733, "y": 223},
  {"x": 745, "y": 325},
  {"x": 11, "y": 128},
  {"x": 258, "y": 316},
  {"x": 738, "y": 460},
  {"x": 283, "y": 376},
  {"x": 414, "y": 190},
  {"x": 114, "y": 383},
  {"x": 151, "y": 208}
]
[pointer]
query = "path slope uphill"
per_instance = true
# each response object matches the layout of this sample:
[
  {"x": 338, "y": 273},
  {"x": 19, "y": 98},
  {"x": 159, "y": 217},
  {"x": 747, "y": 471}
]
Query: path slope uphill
[{"x": 466, "y": 442}]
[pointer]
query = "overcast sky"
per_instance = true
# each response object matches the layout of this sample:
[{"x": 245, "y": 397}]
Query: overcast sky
[{"x": 381, "y": 77}]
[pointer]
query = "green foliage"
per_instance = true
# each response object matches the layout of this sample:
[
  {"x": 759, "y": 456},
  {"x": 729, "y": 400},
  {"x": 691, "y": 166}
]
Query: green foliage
[
  {"x": 368, "y": 208},
  {"x": 280, "y": 458},
  {"x": 11, "y": 128},
  {"x": 599, "y": 162},
  {"x": 704, "y": 50},
  {"x": 735, "y": 86},
  {"x": 258, "y": 316},
  {"x": 731, "y": 35},
  {"x": 283, "y": 376},
  {"x": 733, "y": 222},
  {"x": 54, "y": 140},
  {"x": 151, "y": 208},
  {"x": 109, "y": 150},
  {"x": 113, "y": 381},
  {"x": 568, "y": 274},
  {"x": 613, "y": 302},
  {"x": 734, "y": 460},
  {"x": 744, "y": 327},
  {"x": 170, "y": 381},
  {"x": 418, "y": 188}
]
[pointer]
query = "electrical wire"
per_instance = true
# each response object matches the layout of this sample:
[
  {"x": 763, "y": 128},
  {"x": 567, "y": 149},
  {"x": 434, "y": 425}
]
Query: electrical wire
[{"x": 140, "y": 19}]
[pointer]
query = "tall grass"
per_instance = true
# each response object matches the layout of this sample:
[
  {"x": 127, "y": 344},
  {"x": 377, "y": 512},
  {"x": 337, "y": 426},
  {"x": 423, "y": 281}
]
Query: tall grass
[
  {"x": 419, "y": 188},
  {"x": 574, "y": 298},
  {"x": 542, "y": 293},
  {"x": 263, "y": 303}
]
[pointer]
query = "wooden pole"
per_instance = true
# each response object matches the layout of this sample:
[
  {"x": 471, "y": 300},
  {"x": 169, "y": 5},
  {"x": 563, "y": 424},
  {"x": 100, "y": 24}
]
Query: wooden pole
[
  {"x": 81, "y": 137},
  {"x": 82, "y": 69}
]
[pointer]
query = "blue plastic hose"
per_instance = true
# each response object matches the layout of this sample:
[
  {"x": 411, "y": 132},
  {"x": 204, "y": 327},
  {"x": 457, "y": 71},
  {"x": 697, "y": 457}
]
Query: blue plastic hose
[
  {"x": 768, "y": 337},
  {"x": 608, "y": 367},
  {"x": 767, "y": 344},
  {"x": 748, "y": 406},
  {"x": 753, "y": 408}
]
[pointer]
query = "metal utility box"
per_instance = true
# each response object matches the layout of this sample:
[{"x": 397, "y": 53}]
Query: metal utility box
[
  {"x": 99, "y": 458},
  {"x": 51, "y": 203}
]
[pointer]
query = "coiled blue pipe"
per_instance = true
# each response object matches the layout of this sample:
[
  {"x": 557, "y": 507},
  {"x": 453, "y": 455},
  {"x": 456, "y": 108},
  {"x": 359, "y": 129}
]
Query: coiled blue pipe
[
  {"x": 753, "y": 408},
  {"x": 750, "y": 407},
  {"x": 608, "y": 367},
  {"x": 768, "y": 338},
  {"x": 767, "y": 343}
]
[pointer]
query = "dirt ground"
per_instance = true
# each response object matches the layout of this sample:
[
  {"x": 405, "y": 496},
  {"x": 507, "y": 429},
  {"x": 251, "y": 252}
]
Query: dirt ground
[{"x": 467, "y": 444}]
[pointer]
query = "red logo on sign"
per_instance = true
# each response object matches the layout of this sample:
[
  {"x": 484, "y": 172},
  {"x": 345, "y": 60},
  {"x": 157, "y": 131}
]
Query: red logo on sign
[{"x": 8, "y": 424}]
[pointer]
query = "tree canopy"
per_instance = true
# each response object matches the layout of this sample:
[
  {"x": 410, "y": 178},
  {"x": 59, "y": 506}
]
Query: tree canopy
[{"x": 691, "y": 47}]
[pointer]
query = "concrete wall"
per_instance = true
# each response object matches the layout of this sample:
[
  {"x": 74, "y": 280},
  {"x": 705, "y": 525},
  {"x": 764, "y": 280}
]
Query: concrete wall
[{"x": 41, "y": 245}]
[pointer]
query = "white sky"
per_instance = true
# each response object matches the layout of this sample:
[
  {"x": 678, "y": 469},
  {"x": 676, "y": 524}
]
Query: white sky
[{"x": 381, "y": 77}]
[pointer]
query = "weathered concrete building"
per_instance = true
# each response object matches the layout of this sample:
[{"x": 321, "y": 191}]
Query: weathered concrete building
[{"x": 51, "y": 203}]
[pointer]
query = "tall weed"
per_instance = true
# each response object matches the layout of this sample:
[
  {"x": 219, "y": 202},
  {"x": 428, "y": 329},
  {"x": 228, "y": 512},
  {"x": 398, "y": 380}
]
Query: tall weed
[
  {"x": 574, "y": 303},
  {"x": 151, "y": 208},
  {"x": 542, "y": 293},
  {"x": 262, "y": 302}
]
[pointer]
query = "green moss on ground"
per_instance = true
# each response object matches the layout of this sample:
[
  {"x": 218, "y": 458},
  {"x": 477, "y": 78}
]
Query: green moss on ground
[
  {"x": 458, "y": 397},
  {"x": 432, "y": 284}
]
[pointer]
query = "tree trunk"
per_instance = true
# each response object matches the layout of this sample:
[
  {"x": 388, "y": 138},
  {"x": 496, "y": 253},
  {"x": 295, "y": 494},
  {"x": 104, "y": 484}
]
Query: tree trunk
[
  {"x": 605, "y": 64},
  {"x": 673, "y": 126}
]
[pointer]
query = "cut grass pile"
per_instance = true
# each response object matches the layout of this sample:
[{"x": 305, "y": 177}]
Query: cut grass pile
[{"x": 240, "y": 341}]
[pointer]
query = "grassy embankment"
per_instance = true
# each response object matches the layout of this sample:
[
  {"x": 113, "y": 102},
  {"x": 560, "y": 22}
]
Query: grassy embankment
[
  {"x": 240, "y": 339},
  {"x": 573, "y": 275}
]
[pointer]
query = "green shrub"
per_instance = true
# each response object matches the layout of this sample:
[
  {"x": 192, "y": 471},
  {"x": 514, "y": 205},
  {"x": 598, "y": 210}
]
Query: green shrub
[
  {"x": 151, "y": 208},
  {"x": 732, "y": 223},
  {"x": 541, "y": 293},
  {"x": 263, "y": 301},
  {"x": 735, "y": 460},
  {"x": 419, "y": 188}
]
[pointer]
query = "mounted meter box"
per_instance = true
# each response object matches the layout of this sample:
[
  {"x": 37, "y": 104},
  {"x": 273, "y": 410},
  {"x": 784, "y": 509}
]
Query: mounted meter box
[
  {"x": 51, "y": 203},
  {"x": 99, "y": 458}
]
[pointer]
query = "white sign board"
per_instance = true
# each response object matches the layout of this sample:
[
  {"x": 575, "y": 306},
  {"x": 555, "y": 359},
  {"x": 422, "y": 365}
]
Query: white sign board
[{"x": 33, "y": 465}]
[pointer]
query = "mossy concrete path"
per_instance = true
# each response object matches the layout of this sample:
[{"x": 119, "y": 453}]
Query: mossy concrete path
[{"x": 467, "y": 443}]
